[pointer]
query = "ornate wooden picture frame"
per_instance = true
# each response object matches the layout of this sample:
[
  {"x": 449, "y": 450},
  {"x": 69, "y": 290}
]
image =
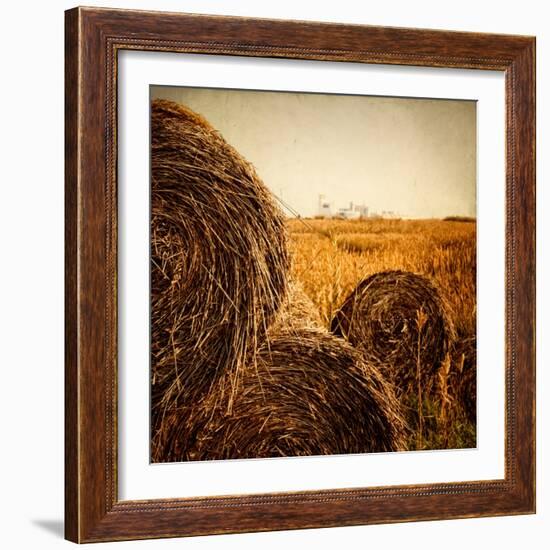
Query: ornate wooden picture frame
[{"x": 94, "y": 38}]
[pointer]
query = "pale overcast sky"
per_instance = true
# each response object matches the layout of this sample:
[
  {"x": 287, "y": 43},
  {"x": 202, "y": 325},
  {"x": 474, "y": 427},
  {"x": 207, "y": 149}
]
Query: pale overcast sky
[{"x": 416, "y": 157}]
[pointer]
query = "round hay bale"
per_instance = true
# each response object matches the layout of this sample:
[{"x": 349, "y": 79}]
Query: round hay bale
[
  {"x": 465, "y": 383},
  {"x": 308, "y": 393},
  {"x": 401, "y": 323},
  {"x": 219, "y": 257}
]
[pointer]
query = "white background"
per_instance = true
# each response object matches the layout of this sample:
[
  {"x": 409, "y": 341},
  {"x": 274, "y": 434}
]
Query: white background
[{"x": 31, "y": 218}]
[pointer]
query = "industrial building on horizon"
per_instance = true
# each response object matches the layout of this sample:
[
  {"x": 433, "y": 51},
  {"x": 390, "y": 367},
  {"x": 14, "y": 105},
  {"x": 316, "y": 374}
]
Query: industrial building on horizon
[{"x": 352, "y": 212}]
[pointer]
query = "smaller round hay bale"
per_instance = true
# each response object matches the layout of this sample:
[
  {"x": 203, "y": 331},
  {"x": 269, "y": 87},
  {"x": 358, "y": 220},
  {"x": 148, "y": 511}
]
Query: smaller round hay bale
[
  {"x": 401, "y": 323},
  {"x": 465, "y": 376},
  {"x": 308, "y": 393}
]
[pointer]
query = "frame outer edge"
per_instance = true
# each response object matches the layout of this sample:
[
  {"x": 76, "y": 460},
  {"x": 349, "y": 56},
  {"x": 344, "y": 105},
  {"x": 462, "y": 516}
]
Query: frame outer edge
[
  {"x": 72, "y": 447},
  {"x": 525, "y": 111},
  {"x": 94, "y": 324}
]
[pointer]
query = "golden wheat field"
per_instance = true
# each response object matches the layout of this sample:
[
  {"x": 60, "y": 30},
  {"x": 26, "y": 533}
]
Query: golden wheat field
[{"x": 331, "y": 256}]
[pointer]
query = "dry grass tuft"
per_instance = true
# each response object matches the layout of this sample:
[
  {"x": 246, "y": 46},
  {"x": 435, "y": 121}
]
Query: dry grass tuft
[
  {"x": 297, "y": 311},
  {"x": 464, "y": 382}
]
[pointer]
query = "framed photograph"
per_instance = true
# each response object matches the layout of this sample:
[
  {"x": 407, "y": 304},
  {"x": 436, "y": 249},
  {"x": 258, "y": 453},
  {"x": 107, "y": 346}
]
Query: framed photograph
[{"x": 300, "y": 275}]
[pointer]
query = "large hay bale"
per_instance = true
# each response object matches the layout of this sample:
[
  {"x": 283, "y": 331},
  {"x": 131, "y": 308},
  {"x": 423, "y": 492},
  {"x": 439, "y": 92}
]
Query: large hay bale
[
  {"x": 219, "y": 258},
  {"x": 401, "y": 323},
  {"x": 308, "y": 393}
]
